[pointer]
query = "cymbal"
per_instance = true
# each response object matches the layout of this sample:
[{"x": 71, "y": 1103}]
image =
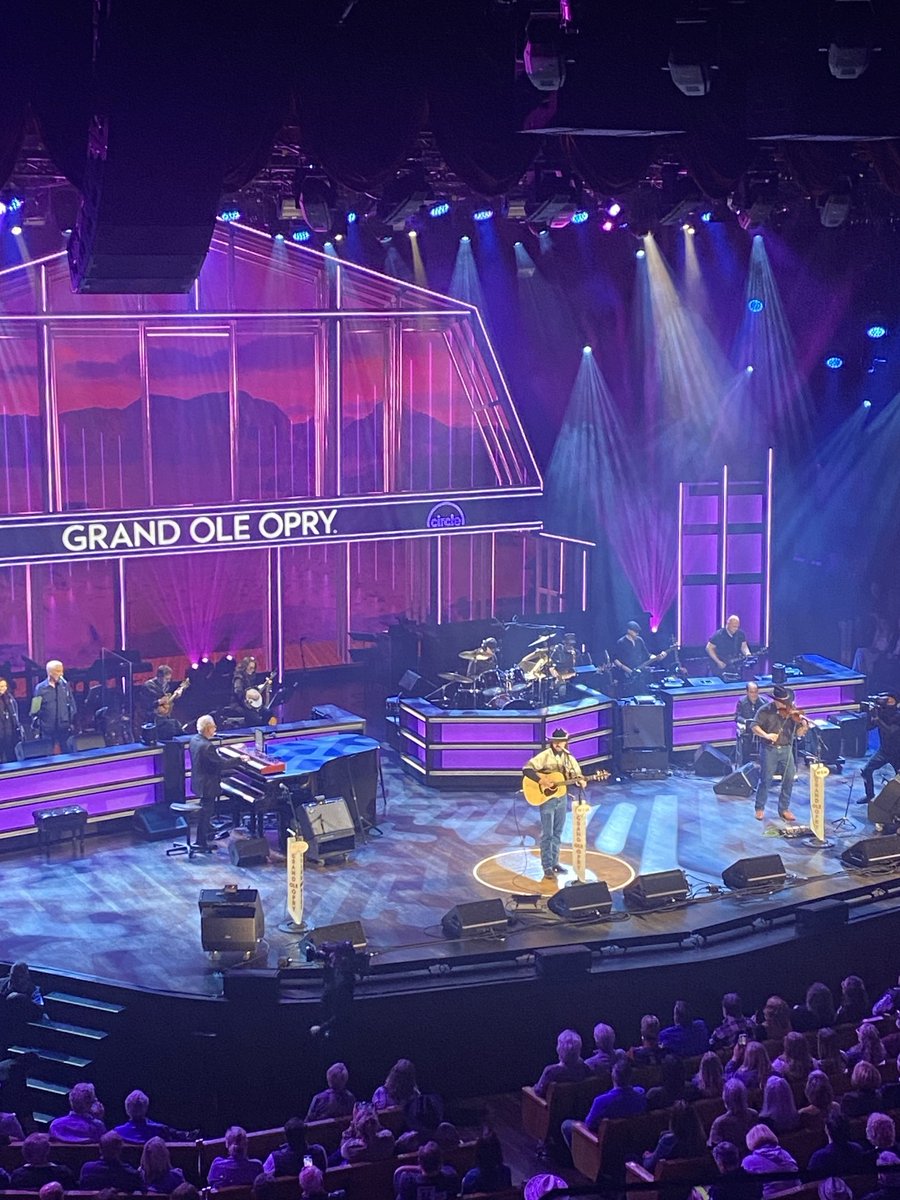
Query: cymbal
[
  {"x": 541, "y": 641},
  {"x": 475, "y": 655},
  {"x": 453, "y": 677}
]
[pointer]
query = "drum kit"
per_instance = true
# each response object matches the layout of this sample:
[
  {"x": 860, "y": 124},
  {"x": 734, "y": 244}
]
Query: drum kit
[{"x": 532, "y": 683}]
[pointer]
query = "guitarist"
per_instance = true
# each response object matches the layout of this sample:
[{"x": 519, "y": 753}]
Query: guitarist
[
  {"x": 631, "y": 656},
  {"x": 728, "y": 645},
  {"x": 553, "y": 813}
]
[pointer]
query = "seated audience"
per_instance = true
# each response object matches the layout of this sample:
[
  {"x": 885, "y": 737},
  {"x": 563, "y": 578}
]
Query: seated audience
[
  {"x": 20, "y": 998},
  {"x": 683, "y": 1139},
  {"x": 820, "y": 1102},
  {"x": 647, "y": 1052},
  {"x": 868, "y": 1048},
  {"x": 622, "y": 1100},
  {"x": 686, "y": 1036},
  {"x": 539, "y": 1185},
  {"x": 399, "y": 1087},
  {"x": 888, "y": 1178},
  {"x": 490, "y": 1173},
  {"x": 236, "y": 1168},
  {"x": 671, "y": 1084},
  {"x": 81, "y": 1124},
  {"x": 186, "y": 1191},
  {"x": 795, "y": 1060},
  {"x": 364, "y": 1138},
  {"x": 774, "y": 1021},
  {"x": 312, "y": 1186},
  {"x": 887, "y": 1003},
  {"x": 779, "y": 1111},
  {"x": 841, "y": 1156},
  {"x": 828, "y": 1055},
  {"x": 55, "y": 1191},
  {"x": 37, "y": 1168},
  {"x": 737, "y": 1120},
  {"x": 423, "y": 1117},
  {"x": 109, "y": 1171},
  {"x": 336, "y": 1100},
  {"x": 734, "y": 1023},
  {"x": 430, "y": 1180},
  {"x": 734, "y": 1183},
  {"x": 817, "y": 1012},
  {"x": 139, "y": 1127},
  {"x": 750, "y": 1064},
  {"x": 707, "y": 1084},
  {"x": 834, "y": 1188},
  {"x": 854, "y": 1006},
  {"x": 605, "y": 1053},
  {"x": 767, "y": 1157},
  {"x": 862, "y": 1097},
  {"x": 571, "y": 1067},
  {"x": 157, "y": 1172},
  {"x": 890, "y": 1092},
  {"x": 10, "y": 1127},
  {"x": 288, "y": 1158},
  {"x": 881, "y": 1135}
]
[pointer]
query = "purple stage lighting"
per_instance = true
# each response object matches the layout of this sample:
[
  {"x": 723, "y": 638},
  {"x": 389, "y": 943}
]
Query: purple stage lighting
[
  {"x": 834, "y": 362},
  {"x": 876, "y": 331},
  {"x": 607, "y": 226},
  {"x": 579, "y": 217},
  {"x": 756, "y": 305},
  {"x": 482, "y": 214}
]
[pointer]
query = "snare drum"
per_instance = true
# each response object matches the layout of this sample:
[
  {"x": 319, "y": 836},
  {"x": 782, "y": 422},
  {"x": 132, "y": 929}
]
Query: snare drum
[{"x": 516, "y": 681}]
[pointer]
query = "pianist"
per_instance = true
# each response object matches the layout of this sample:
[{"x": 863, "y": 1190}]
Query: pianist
[{"x": 207, "y": 766}]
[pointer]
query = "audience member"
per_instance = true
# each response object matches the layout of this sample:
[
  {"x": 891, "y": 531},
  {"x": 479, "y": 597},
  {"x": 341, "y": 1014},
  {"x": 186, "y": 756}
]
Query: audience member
[
  {"x": 828, "y": 1054},
  {"x": 841, "y": 1155},
  {"x": 868, "y": 1047},
  {"x": 819, "y": 1094},
  {"x": 399, "y": 1087},
  {"x": 571, "y": 1067},
  {"x": 336, "y": 1100},
  {"x": 490, "y": 1174},
  {"x": 686, "y": 1036},
  {"x": 683, "y": 1139},
  {"x": 774, "y": 1020},
  {"x": 10, "y": 1127},
  {"x": 622, "y": 1100},
  {"x": 55, "y": 1191},
  {"x": 779, "y": 1111},
  {"x": 733, "y": 1183},
  {"x": 767, "y": 1157},
  {"x": 795, "y": 1061},
  {"x": 750, "y": 1064},
  {"x": 157, "y": 1171},
  {"x": 888, "y": 1178},
  {"x": 235, "y": 1168},
  {"x": 288, "y": 1158},
  {"x": 81, "y": 1124},
  {"x": 834, "y": 1188},
  {"x": 888, "y": 1003},
  {"x": 890, "y": 1092},
  {"x": 139, "y": 1128},
  {"x": 186, "y": 1191},
  {"x": 109, "y": 1171},
  {"x": 37, "y": 1168},
  {"x": 737, "y": 1120},
  {"x": 539, "y": 1185},
  {"x": 817, "y": 1012},
  {"x": 430, "y": 1180},
  {"x": 881, "y": 1135},
  {"x": 364, "y": 1138},
  {"x": 671, "y": 1084},
  {"x": 707, "y": 1084},
  {"x": 862, "y": 1098},
  {"x": 312, "y": 1186},
  {"x": 15, "y": 1096},
  {"x": 423, "y": 1116},
  {"x": 605, "y": 1054},
  {"x": 734, "y": 1023},
  {"x": 648, "y": 1052},
  {"x": 854, "y": 1006}
]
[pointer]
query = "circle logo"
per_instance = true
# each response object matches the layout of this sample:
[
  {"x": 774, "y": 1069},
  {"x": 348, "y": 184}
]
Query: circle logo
[{"x": 445, "y": 515}]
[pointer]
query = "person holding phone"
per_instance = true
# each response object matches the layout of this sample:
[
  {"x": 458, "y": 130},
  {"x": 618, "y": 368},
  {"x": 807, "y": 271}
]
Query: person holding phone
[{"x": 294, "y": 1153}]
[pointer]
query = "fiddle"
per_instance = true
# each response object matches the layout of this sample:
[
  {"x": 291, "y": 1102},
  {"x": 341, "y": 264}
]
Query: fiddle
[{"x": 791, "y": 712}]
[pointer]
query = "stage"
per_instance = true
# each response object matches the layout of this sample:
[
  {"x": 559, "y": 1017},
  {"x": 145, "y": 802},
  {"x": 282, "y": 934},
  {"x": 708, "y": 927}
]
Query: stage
[{"x": 131, "y": 915}]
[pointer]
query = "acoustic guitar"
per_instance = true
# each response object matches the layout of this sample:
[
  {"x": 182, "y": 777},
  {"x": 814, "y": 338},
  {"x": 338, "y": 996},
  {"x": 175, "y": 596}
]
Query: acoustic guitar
[{"x": 553, "y": 784}]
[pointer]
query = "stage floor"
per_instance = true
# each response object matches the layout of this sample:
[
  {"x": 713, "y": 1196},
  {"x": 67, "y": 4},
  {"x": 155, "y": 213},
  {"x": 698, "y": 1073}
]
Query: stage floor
[{"x": 127, "y": 914}]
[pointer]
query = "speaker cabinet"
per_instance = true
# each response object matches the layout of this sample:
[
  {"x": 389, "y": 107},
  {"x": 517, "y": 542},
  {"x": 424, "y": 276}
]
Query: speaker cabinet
[
  {"x": 742, "y": 783},
  {"x": 158, "y": 822},
  {"x": 709, "y": 761},
  {"x": 251, "y": 987},
  {"x": 413, "y": 684},
  {"x": 822, "y": 916},
  {"x": 767, "y": 870},
  {"x": 885, "y": 808},
  {"x": 474, "y": 918},
  {"x": 658, "y": 890},
  {"x": 87, "y": 741},
  {"x": 873, "y": 852},
  {"x": 327, "y": 827},
  {"x": 560, "y": 963},
  {"x": 643, "y": 726},
  {"x": 248, "y": 851},
  {"x": 825, "y": 739},
  {"x": 346, "y": 931},
  {"x": 231, "y": 920},
  {"x": 631, "y": 761},
  {"x": 581, "y": 901},
  {"x": 37, "y": 748},
  {"x": 854, "y": 729}
]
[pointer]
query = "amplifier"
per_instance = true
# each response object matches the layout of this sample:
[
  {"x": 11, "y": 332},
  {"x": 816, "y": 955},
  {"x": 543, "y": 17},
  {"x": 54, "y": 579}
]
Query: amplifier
[
  {"x": 641, "y": 762},
  {"x": 231, "y": 919}
]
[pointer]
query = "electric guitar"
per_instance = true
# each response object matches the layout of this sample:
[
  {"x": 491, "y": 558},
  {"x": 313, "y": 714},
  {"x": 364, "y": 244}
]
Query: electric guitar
[{"x": 553, "y": 784}]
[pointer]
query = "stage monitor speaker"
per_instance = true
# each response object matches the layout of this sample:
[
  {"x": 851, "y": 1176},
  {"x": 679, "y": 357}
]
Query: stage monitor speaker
[
  {"x": 346, "y": 931},
  {"x": 231, "y": 919},
  {"x": 560, "y": 963},
  {"x": 475, "y": 918},
  {"x": 251, "y": 987},
  {"x": 248, "y": 851},
  {"x": 873, "y": 852},
  {"x": 740, "y": 783},
  {"x": 643, "y": 726},
  {"x": 37, "y": 748},
  {"x": 581, "y": 901},
  {"x": 632, "y": 761},
  {"x": 657, "y": 890},
  {"x": 412, "y": 684},
  {"x": 767, "y": 870},
  {"x": 885, "y": 808},
  {"x": 709, "y": 761},
  {"x": 158, "y": 822},
  {"x": 87, "y": 741},
  {"x": 327, "y": 827},
  {"x": 822, "y": 916}
]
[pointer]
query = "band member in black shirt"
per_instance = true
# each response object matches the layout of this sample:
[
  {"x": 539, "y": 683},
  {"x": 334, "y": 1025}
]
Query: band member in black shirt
[
  {"x": 251, "y": 712},
  {"x": 777, "y": 724},
  {"x": 728, "y": 644},
  {"x": 55, "y": 712},
  {"x": 631, "y": 655},
  {"x": 244, "y": 677},
  {"x": 207, "y": 766},
  {"x": 10, "y": 725},
  {"x": 744, "y": 717},
  {"x": 886, "y": 718},
  {"x": 165, "y": 725}
]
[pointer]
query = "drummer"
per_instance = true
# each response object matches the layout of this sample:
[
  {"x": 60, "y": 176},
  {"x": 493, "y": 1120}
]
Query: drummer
[{"x": 484, "y": 658}]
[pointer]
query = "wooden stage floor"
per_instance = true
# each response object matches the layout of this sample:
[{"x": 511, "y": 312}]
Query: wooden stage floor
[{"x": 127, "y": 914}]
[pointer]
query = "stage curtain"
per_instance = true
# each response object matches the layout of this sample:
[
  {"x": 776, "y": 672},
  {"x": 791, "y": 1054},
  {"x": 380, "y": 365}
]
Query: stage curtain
[
  {"x": 611, "y": 164},
  {"x": 816, "y": 165}
]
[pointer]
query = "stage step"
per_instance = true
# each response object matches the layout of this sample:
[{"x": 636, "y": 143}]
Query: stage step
[
  {"x": 57, "y": 1031},
  {"x": 57, "y": 1064},
  {"x": 54, "y": 1096},
  {"x": 81, "y": 1010}
]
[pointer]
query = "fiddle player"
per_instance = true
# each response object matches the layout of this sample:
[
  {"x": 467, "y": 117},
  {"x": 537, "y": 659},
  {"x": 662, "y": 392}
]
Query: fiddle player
[{"x": 776, "y": 725}]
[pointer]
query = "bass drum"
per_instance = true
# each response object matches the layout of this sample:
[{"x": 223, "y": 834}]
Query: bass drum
[{"x": 507, "y": 700}]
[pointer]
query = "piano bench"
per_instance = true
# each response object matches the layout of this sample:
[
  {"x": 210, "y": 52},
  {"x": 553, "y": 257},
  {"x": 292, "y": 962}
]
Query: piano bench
[
  {"x": 57, "y": 824},
  {"x": 186, "y": 810}
]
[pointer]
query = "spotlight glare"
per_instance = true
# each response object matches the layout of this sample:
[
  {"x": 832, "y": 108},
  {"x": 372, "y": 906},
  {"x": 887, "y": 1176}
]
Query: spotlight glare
[
  {"x": 614, "y": 209},
  {"x": 834, "y": 362},
  {"x": 876, "y": 331},
  {"x": 867, "y": 403},
  {"x": 640, "y": 254},
  {"x": 749, "y": 368},
  {"x": 587, "y": 350},
  {"x": 440, "y": 209},
  {"x": 15, "y": 230},
  {"x": 413, "y": 234},
  {"x": 755, "y": 305},
  {"x": 579, "y": 217},
  {"x": 482, "y": 214},
  {"x": 338, "y": 237},
  {"x": 465, "y": 238},
  {"x": 706, "y": 217},
  {"x": 301, "y": 235},
  {"x": 279, "y": 237}
]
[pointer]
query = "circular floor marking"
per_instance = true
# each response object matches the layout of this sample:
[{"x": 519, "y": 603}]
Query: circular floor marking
[{"x": 519, "y": 870}]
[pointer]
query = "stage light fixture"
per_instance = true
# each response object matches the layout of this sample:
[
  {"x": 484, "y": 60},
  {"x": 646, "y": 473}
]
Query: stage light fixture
[
  {"x": 876, "y": 331},
  {"x": 482, "y": 214},
  {"x": 412, "y": 234},
  {"x": 607, "y": 226},
  {"x": 614, "y": 209},
  {"x": 278, "y": 237},
  {"x": 640, "y": 254},
  {"x": 403, "y": 196},
  {"x": 580, "y": 216},
  {"x": 543, "y": 57},
  {"x": 230, "y": 215},
  {"x": 440, "y": 209},
  {"x": 749, "y": 368},
  {"x": 706, "y": 217},
  {"x": 15, "y": 203},
  {"x": 300, "y": 235},
  {"x": 691, "y": 54},
  {"x": 836, "y": 207},
  {"x": 834, "y": 362},
  {"x": 553, "y": 201},
  {"x": 351, "y": 217},
  {"x": 756, "y": 305},
  {"x": 851, "y": 37},
  {"x": 688, "y": 229},
  {"x": 587, "y": 350},
  {"x": 15, "y": 230},
  {"x": 315, "y": 198},
  {"x": 465, "y": 238},
  {"x": 867, "y": 403}
]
